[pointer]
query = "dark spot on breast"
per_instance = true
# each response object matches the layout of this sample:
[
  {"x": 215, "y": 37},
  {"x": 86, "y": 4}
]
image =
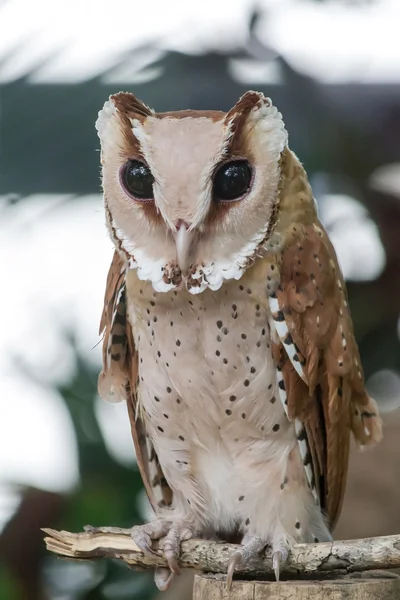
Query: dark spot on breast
[
  {"x": 155, "y": 319},
  {"x": 218, "y": 353},
  {"x": 169, "y": 390},
  {"x": 225, "y": 331},
  {"x": 219, "y": 338},
  {"x": 156, "y": 399},
  {"x": 232, "y": 398},
  {"x": 276, "y": 427},
  {"x": 158, "y": 354},
  {"x": 248, "y": 290},
  {"x": 243, "y": 415},
  {"x": 247, "y": 522},
  {"x": 166, "y": 416},
  {"x": 225, "y": 361},
  {"x": 297, "y": 525},
  {"x": 234, "y": 307},
  {"x": 241, "y": 288},
  {"x": 178, "y": 342},
  {"x": 246, "y": 382},
  {"x": 219, "y": 324},
  {"x": 241, "y": 498},
  {"x": 171, "y": 323},
  {"x": 178, "y": 400},
  {"x": 160, "y": 429},
  {"x": 181, "y": 438},
  {"x": 228, "y": 412},
  {"x": 244, "y": 336},
  {"x": 252, "y": 370}
]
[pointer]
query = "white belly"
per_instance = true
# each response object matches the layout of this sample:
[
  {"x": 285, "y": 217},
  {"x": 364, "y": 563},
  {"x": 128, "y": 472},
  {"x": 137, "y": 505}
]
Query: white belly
[{"x": 207, "y": 386}]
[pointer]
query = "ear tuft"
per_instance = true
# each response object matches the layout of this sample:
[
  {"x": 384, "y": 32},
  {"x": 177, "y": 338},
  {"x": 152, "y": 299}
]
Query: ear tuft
[
  {"x": 128, "y": 104},
  {"x": 124, "y": 105},
  {"x": 256, "y": 108}
]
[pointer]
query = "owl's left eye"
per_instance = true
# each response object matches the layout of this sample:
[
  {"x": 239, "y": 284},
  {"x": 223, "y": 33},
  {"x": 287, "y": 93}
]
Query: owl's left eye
[
  {"x": 232, "y": 180},
  {"x": 137, "y": 180}
]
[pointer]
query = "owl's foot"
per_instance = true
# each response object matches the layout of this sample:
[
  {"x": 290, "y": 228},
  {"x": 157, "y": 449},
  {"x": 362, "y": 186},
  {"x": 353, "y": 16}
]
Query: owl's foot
[
  {"x": 170, "y": 533},
  {"x": 251, "y": 549}
]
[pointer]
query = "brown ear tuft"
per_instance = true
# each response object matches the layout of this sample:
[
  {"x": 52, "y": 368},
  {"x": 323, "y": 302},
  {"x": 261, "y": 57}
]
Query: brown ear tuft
[
  {"x": 128, "y": 104},
  {"x": 236, "y": 117}
]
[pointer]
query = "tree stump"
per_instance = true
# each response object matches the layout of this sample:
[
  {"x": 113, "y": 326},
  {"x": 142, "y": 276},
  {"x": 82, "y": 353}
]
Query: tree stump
[{"x": 213, "y": 587}]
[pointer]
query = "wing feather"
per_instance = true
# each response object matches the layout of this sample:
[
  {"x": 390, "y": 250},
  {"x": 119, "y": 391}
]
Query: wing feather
[
  {"x": 118, "y": 380},
  {"x": 320, "y": 363}
]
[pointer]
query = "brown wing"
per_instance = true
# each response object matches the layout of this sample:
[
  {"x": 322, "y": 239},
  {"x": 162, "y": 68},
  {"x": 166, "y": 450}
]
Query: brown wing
[
  {"x": 119, "y": 377},
  {"x": 320, "y": 363}
]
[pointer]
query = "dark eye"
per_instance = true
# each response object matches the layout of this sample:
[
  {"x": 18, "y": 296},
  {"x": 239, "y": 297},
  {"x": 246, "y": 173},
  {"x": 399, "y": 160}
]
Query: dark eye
[
  {"x": 137, "y": 180},
  {"x": 232, "y": 180}
]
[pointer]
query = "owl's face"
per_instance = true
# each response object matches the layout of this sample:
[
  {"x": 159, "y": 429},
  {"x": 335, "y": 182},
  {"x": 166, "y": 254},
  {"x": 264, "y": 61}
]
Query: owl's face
[{"x": 190, "y": 195}]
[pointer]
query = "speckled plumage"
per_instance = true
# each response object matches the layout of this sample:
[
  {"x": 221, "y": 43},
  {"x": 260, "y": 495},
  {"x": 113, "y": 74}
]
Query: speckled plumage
[{"x": 230, "y": 338}]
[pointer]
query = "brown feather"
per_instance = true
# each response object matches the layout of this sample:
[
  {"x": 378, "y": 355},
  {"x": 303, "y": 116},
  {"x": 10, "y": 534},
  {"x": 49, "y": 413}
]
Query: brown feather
[
  {"x": 313, "y": 300},
  {"x": 118, "y": 380}
]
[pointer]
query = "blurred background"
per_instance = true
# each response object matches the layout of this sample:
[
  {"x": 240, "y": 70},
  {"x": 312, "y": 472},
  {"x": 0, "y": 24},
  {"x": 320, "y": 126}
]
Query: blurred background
[{"x": 333, "y": 69}]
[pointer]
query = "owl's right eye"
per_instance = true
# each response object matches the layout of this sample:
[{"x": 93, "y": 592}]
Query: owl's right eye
[{"x": 137, "y": 180}]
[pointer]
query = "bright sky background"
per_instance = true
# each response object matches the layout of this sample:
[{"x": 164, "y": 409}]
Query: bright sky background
[
  {"x": 332, "y": 40},
  {"x": 52, "y": 289}
]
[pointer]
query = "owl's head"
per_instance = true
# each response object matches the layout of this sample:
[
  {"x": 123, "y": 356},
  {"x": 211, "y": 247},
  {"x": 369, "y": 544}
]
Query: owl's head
[{"x": 190, "y": 196}]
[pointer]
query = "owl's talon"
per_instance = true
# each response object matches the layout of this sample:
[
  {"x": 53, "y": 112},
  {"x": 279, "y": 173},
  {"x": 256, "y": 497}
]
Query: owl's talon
[
  {"x": 171, "y": 544},
  {"x": 143, "y": 535},
  {"x": 173, "y": 565},
  {"x": 163, "y": 578},
  {"x": 234, "y": 561},
  {"x": 279, "y": 558},
  {"x": 170, "y": 535},
  {"x": 243, "y": 556},
  {"x": 276, "y": 558}
]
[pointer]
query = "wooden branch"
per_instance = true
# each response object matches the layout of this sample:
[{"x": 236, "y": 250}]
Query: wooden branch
[{"x": 332, "y": 558}]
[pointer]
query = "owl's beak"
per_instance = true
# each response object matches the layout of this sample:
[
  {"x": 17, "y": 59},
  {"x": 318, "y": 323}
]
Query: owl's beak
[{"x": 184, "y": 238}]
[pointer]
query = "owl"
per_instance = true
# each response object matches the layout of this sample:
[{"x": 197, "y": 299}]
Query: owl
[{"x": 227, "y": 330}]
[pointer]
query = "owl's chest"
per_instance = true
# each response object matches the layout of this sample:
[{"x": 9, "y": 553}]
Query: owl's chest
[{"x": 205, "y": 363}]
